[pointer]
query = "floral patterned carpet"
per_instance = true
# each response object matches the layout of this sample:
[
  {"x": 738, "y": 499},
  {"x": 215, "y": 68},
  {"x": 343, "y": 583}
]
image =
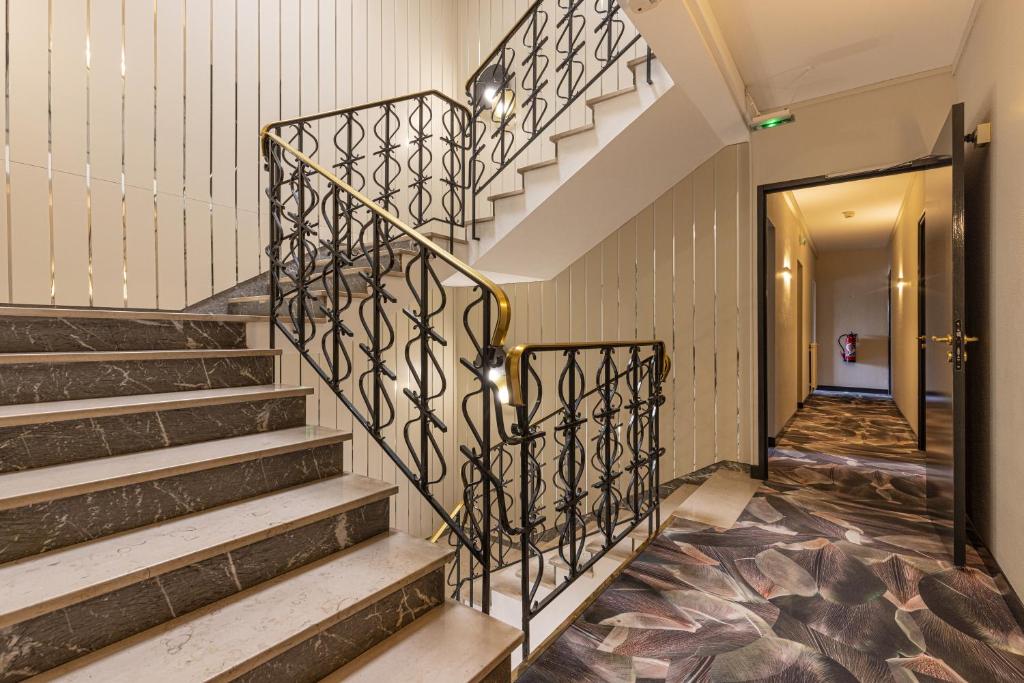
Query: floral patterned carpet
[{"x": 834, "y": 572}]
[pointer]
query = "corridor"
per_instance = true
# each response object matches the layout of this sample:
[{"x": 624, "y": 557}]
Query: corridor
[{"x": 834, "y": 572}]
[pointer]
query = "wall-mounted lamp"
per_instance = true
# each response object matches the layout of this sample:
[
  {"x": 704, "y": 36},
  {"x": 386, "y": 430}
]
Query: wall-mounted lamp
[
  {"x": 901, "y": 283},
  {"x": 493, "y": 89},
  {"x": 496, "y": 376},
  {"x": 787, "y": 274}
]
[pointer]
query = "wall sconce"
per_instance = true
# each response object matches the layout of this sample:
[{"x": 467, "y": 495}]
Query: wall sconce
[
  {"x": 901, "y": 283},
  {"x": 787, "y": 274},
  {"x": 493, "y": 90}
]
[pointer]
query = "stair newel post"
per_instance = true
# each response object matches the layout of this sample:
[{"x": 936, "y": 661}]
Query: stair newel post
[
  {"x": 633, "y": 375},
  {"x": 525, "y": 514},
  {"x": 607, "y": 482},
  {"x": 655, "y": 432},
  {"x": 335, "y": 267},
  {"x": 274, "y": 173},
  {"x": 485, "y": 429},
  {"x": 377, "y": 313},
  {"x": 570, "y": 439},
  {"x": 300, "y": 283},
  {"x": 424, "y": 381}
]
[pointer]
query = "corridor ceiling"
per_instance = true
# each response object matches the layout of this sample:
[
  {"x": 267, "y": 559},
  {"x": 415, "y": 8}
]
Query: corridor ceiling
[
  {"x": 793, "y": 50},
  {"x": 875, "y": 202}
]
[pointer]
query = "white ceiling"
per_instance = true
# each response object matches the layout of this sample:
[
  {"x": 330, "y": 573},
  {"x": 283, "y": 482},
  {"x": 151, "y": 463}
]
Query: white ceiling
[
  {"x": 793, "y": 50},
  {"x": 876, "y": 203}
]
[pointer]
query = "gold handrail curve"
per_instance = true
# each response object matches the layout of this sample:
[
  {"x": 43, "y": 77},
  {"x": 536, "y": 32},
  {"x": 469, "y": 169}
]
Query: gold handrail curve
[
  {"x": 514, "y": 359},
  {"x": 504, "y": 316}
]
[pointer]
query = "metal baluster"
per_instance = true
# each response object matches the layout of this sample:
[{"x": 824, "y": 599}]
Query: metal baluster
[
  {"x": 486, "y": 396},
  {"x": 523, "y": 418},
  {"x": 335, "y": 266}
]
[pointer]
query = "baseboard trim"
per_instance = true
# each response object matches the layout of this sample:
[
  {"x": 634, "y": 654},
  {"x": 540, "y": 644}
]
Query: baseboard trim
[{"x": 853, "y": 390}]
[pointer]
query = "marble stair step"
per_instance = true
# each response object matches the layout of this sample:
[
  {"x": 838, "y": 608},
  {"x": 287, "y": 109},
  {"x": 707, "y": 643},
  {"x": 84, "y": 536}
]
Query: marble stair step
[
  {"x": 450, "y": 643},
  {"x": 79, "y": 599},
  {"x": 313, "y": 619},
  {"x": 67, "y": 375},
  {"x": 53, "y": 433},
  {"x": 46, "y": 484},
  {"x": 25, "y": 329},
  {"x": 91, "y": 408}
]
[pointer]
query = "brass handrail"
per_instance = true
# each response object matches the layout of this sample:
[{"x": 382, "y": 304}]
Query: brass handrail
[
  {"x": 504, "y": 307},
  {"x": 513, "y": 361},
  {"x": 500, "y": 44},
  {"x": 361, "y": 107}
]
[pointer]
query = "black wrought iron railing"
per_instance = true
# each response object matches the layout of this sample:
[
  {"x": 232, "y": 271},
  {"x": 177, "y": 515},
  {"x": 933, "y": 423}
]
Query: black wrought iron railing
[
  {"x": 602, "y": 434},
  {"x": 356, "y": 288},
  {"x": 556, "y": 53},
  {"x": 331, "y": 251}
]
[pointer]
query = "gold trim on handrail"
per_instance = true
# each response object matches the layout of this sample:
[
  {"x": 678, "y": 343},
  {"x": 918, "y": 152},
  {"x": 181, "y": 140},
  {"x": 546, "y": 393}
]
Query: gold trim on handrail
[
  {"x": 444, "y": 525},
  {"x": 504, "y": 307},
  {"x": 513, "y": 362},
  {"x": 346, "y": 110},
  {"x": 497, "y": 48}
]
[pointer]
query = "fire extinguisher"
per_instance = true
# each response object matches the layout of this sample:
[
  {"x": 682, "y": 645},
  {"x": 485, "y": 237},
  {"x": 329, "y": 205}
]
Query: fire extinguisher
[{"x": 848, "y": 347}]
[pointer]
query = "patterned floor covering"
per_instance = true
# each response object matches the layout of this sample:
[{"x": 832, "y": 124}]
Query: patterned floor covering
[{"x": 834, "y": 572}]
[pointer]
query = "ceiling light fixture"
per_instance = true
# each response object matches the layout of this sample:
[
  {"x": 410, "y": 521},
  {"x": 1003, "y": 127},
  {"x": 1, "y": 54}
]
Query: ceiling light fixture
[{"x": 849, "y": 214}]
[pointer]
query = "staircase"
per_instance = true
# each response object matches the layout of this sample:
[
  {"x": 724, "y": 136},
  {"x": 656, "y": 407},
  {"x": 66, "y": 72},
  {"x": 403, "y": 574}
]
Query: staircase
[{"x": 167, "y": 514}]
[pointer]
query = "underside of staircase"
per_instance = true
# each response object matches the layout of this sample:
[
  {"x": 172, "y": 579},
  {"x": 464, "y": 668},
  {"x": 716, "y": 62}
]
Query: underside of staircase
[{"x": 167, "y": 514}]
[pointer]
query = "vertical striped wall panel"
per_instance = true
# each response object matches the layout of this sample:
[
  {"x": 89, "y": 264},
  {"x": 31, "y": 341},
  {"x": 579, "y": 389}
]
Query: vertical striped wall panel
[
  {"x": 679, "y": 272},
  {"x": 132, "y": 175}
]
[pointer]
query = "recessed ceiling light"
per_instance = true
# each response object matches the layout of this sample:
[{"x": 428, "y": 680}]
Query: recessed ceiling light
[{"x": 848, "y": 214}]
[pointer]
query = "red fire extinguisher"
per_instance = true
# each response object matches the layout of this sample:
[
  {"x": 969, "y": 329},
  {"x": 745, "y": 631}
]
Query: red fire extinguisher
[{"x": 848, "y": 347}]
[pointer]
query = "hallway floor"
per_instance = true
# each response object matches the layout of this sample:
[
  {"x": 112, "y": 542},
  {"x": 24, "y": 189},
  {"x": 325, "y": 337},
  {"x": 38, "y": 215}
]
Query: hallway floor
[{"x": 833, "y": 572}]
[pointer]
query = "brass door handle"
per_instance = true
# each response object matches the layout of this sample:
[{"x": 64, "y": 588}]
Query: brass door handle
[
  {"x": 922, "y": 338},
  {"x": 948, "y": 339},
  {"x": 970, "y": 340}
]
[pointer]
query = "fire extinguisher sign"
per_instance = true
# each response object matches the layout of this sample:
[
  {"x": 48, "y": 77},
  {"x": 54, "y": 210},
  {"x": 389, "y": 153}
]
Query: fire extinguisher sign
[{"x": 848, "y": 347}]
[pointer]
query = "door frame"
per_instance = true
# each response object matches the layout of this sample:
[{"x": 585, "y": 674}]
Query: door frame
[
  {"x": 923, "y": 164},
  {"x": 921, "y": 384}
]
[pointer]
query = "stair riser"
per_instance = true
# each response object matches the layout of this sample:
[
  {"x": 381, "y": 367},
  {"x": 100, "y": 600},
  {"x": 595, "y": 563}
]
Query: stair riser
[
  {"x": 316, "y": 657},
  {"x": 51, "y": 639},
  {"x": 40, "y": 445},
  {"x": 24, "y": 335},
  {"x": 39, "y": 382},
  {"x": 46, "y": 526}
]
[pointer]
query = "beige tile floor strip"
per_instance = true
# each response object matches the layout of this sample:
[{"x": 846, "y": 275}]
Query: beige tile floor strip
[{"x": 720, "y": 500}]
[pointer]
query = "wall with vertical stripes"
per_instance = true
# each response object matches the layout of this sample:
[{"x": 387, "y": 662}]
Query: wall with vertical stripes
[
  {"x": 130, "y": 128},
  {"x": 680, "y": 271}
]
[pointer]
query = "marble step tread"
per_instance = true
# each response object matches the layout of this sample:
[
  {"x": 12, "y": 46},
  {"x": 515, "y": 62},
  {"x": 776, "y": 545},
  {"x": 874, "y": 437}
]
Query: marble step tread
[
  {"x": 236, "y": 634},
  {"x": 71, "y": 575},
  {"x": 129, "y": 356},
  {"x": 572, "y": 131},
  {"x": 43, "y": 484},
  {"x": 86, "y": 408},
  {"x": 450, "y": 643},
  {"x": 117, "y": 314},
  {"x": 604, "y": 97}
]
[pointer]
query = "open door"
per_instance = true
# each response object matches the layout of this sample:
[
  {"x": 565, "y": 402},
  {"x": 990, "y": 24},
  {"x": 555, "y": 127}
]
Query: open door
[{"x": 946, "y": 354}]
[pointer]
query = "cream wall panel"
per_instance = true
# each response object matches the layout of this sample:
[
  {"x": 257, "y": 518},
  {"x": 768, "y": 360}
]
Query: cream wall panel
[
  {"x": 903, "y": 257},
  {"x": 29, "y": 147},
  {"x": 107, "y": 244},
  {"x": 726, "y": 314},
  {"x": 747, "y": 310},
  {"x": 71, "y": 240},
  {"x": 704, "y": 321},
  {"x": 141, "y": 248},
  {"x": 664, "y": 322},
  {"x": 684, "y": 358}
]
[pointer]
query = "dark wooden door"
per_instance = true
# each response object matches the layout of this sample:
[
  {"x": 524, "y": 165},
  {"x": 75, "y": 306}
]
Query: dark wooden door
[{"x": 946, "y": 354}]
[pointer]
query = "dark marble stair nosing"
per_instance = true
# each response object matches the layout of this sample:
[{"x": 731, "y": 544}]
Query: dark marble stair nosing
[
  {"x": 52, "y": 377},
  {"x": 54, "y": 443},
  {"x": 49, "y": 412},
  {"x": 47, "y": 484}
]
